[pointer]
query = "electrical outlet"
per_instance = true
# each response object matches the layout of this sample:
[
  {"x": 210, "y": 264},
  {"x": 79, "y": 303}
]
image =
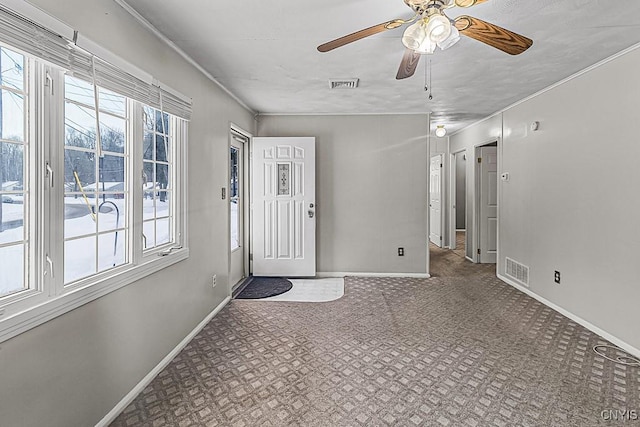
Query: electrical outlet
[
  {"x": 400, "y": 251},
  {"x": 557, "y": 277},
  {"x": 214, "y": 281}
]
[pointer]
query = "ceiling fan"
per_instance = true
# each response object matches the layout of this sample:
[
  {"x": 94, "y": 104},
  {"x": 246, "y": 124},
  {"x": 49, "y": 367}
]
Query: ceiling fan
[{"x": 431, "y": 28}]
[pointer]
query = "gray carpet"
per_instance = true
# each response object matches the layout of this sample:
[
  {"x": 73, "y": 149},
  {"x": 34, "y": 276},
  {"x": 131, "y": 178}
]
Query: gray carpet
[{"x": 460, "y": 349}]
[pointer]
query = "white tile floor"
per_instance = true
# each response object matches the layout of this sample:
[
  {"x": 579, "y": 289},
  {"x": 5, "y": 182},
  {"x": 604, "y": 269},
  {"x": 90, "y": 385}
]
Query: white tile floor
[{"x": 312, "y": 290}]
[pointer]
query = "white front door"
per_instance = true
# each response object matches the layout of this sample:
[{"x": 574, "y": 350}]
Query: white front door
[
  {"x": 488, "y": 205},
  {"x": 284, "y": 207},
  {"x": 435, "y": 200}
]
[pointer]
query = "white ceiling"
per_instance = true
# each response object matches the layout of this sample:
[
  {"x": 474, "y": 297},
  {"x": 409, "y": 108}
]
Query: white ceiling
[{"x": 265, "y": 53}]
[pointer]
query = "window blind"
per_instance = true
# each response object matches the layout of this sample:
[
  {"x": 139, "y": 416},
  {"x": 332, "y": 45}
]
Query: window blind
[{"x": 38, "y": 41}]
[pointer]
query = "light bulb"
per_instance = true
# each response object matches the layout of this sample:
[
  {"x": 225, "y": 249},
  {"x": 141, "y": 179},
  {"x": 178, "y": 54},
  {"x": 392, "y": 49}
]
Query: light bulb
[
  {"x": 438, "y": 28},
  {"x": 440, "y": 131},
  {"x": 453, "y": 38},
  {"x": 414, "y": 35}
]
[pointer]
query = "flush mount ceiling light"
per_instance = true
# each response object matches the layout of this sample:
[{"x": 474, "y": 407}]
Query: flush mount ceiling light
[
  {"x": 431, "y": 28},
  {"x": 440, "y": 131}
]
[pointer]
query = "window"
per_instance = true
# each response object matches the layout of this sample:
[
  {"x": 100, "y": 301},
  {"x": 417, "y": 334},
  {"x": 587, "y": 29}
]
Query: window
[
  {"x": 157, "y": 177},
  {"x": 14, "y": 194},
  {"x": 95, "y": 181},
  {"x": 92, "y": 181}
]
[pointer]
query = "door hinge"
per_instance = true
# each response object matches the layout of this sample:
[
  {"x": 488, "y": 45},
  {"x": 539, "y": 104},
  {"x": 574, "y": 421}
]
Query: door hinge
[
  {"x": 440, "y": 164},
  {"x": 479, "y": 159},
  {"x": 250, "y": 257},
  {"x": 478, "y": 251}
]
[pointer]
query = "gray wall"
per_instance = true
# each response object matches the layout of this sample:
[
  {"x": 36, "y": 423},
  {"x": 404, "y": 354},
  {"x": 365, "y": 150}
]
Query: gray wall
[
  {"x": 371, "y": 180},
  {"x": 572, "y": 195},
  {"x": 461, "y": 190},
  {"x": 74, "y": 369}
]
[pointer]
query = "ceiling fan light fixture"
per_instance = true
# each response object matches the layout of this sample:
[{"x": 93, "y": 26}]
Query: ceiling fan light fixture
[
  {"x": 438, "y": 28},
  {"x": 454, "y": 37},
  {"x": 440, "y": 131},
  {"x": 427, "y": 47},
  {"x": 414, "y": 35}
]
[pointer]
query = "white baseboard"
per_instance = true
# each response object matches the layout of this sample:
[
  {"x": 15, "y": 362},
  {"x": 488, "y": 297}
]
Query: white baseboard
[
  {"x": 322, "y": 274},
  {"x": 113, "y": 414},
  {"x": 593, "y": 328}
]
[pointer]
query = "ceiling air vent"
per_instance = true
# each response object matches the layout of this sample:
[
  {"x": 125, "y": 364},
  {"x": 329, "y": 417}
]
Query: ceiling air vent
[
  {"x": 518, "y": 272},
  {"x": 343, "y": 83}
]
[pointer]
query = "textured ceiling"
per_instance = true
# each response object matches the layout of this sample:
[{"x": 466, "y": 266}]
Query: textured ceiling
[{"x": 265, "y": 53}]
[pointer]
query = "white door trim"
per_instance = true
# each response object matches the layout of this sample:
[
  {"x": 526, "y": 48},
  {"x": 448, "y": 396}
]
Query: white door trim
[
  {"x": 452, "y": 207},
  {"x": 441, "y": 156},
  {"x": 475, "y": 235},
  {"x": 246, "y": 199}
]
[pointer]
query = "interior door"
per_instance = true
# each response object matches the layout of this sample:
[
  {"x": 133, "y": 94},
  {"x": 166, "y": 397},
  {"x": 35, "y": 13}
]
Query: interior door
[
  {"x": 284, "y": 207},
  {"x": 488, "y": 205},
  {"x": 435, "y": 200}
]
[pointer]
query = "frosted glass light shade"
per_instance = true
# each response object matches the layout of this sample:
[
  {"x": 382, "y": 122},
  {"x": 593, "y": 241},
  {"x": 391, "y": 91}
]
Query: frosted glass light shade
[
  {"x": 427, "y": 47},
  {"x": 454, "y": 37},
  {"x": 414, "y": 35},
  {"x": 438, "y": 28},
  {"x": 440, "y": 131}
]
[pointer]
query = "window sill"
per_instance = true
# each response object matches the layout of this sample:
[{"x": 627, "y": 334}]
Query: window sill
[{"x": 52, "y": 308}]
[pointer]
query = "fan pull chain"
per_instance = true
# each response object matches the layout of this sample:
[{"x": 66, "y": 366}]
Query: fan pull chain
[
  {"x": 426, "y": 86},
  {"x": 427, "y": 77}
]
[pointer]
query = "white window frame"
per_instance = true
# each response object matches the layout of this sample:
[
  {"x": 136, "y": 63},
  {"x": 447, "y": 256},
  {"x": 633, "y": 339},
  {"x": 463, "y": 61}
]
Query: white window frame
[{"x": 47, "y": 296}]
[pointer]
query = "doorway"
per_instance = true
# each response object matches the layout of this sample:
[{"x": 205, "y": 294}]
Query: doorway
[
  {"x": 238, "y": 189},
  {"x": 284, "y": 207},
  {"x": 435, "y": 200},
  {"x": 458, "y": 203},
  {"x": 486, "y": 201}
]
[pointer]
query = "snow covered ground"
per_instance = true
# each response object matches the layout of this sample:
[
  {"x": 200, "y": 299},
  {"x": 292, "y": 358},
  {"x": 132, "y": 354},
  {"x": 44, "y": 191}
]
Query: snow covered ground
[{"x": 95, "y": 244}]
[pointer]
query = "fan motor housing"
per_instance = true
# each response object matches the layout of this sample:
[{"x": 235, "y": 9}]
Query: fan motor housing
[{"x": 421, "y": 6}]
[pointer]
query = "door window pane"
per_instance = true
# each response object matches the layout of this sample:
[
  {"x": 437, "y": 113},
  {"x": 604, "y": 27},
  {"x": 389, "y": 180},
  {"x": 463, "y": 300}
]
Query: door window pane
[{"x": 234, "y": 193}]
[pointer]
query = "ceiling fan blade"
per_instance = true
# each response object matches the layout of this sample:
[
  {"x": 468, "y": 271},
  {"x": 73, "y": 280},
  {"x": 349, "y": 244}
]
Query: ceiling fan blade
[
  {"x": 505, "y": 40},
  {"x": 469, "y": 3},
  {"x": 408, "y": 65},
  {"x": 389, "y": 25}
]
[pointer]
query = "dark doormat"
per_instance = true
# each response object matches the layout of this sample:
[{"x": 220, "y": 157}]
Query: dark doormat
[{"x": 265, "y": 287}]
